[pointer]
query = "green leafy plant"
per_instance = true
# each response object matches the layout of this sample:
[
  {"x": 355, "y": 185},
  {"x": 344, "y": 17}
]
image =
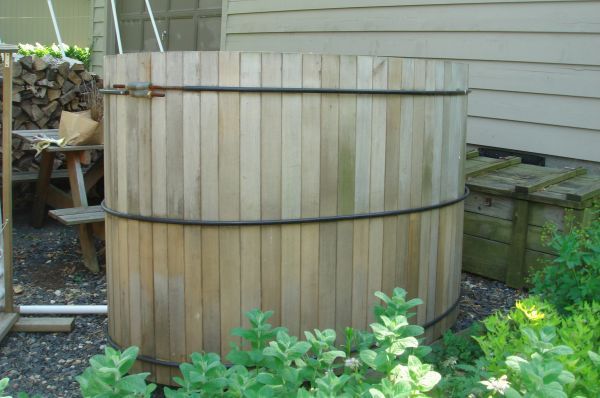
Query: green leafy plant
[
  {"x": 460, "y": 361},
  {"x": 507, "y": 335},
  {"x": 573, "y": 276},
  {"x": 271, "y": 363},
  {"x": 75, "y": 52},
  {"x": 539, "y": 375},
  {"x": 106, "y": 376}
]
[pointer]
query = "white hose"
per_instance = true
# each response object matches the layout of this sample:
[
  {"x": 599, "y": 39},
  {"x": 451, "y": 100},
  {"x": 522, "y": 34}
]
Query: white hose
[{"x": 63, "y": 309}]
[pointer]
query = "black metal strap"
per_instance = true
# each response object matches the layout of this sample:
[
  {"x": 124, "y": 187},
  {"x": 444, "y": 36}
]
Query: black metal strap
[
  {"x": 285, "y": 221},
  {"x": 123, "y": 89}
]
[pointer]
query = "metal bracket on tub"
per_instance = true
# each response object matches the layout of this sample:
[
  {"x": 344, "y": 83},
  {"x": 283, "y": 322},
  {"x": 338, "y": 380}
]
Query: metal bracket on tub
[{"x": 137, "y": 93}]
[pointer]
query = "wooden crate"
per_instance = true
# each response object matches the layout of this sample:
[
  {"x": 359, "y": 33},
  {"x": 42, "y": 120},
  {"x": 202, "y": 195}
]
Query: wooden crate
[{"x": 509, "y": 205}]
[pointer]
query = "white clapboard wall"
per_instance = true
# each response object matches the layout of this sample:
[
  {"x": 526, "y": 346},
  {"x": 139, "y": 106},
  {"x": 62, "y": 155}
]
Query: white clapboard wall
[{"x": 534, "y": 65}]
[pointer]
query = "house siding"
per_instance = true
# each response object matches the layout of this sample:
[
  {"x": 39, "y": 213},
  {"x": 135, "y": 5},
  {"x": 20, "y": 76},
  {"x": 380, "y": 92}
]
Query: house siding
[
  {"x": 534, "y": 65},
  {"x": 29, "y": 21}
]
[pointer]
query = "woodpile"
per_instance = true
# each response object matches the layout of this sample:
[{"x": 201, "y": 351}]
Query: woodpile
[{"x": 43, "y": 88}]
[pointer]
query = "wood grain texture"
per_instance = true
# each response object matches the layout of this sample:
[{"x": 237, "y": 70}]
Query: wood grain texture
[{"x": 249, "y": 156}]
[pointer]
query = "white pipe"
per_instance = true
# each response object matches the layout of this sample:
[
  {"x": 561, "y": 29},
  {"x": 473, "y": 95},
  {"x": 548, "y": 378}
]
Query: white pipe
[
  {"x": 117, "y": 31},
  {"x": 63, "y": 309},
  {"x": 55, "y": 23},
  {"x": 160, "y": 46}
]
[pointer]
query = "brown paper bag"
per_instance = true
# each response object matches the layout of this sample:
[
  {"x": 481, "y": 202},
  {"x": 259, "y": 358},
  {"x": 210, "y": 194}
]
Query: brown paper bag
[{"x": 78, "y": 128}]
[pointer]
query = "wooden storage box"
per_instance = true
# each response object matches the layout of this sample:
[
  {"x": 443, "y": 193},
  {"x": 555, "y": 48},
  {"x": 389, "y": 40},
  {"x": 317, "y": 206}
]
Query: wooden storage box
[{"x": 508, "y": 206}]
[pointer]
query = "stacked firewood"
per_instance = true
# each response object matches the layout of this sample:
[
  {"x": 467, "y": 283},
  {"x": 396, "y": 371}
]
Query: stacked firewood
[{"x": 42, "y": 89}]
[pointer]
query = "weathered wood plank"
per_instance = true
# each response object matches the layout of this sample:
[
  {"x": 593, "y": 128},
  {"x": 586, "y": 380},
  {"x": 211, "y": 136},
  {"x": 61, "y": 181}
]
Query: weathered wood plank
[{"x": 44, "y": 325}]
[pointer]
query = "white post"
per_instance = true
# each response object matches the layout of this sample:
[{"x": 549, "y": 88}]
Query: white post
[
  {"x": 149, "y": 8},
  {"x": 55, "y": 23},
  {"x": 117, "y": 31}
]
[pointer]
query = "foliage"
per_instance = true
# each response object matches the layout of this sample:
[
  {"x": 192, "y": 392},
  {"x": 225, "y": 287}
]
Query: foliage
[
  {"x": 512, "y": 335},
  {"x": 573, "y": 276},
  {"x": 75, "y": 52},
  {"x": 458, "y": 358},
  {"x": 271, "y": 363},
  {"x": 106, "y": 376},
  {"x": 539, "y": 374}
]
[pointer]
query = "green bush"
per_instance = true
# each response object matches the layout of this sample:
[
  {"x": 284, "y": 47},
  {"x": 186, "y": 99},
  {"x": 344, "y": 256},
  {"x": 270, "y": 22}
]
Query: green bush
[
  {"x": 78, "y": 53},
  {"x": 510, "y": 335},
  {"x": 573, "y": 276},
  {"x": 271, "y": 363}
]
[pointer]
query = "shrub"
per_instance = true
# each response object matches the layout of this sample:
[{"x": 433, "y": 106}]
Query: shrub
[
  {"x": 78, "y": 53},
  {"x": 573, "y": 276},
  {"x": 511, "y": 335},
  {"x": 271, "y": 363}
]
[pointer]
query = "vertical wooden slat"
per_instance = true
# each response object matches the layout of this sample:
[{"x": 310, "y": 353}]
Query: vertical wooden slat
[
  {"x": 175, "y": 198},
  {"x": 250, "y": 178},
  {"x": 138, "y": 70},
  {"x": 159, "y": 209},
  {"x": 346, "y": 192},
  {"x": 145, "y": 207},
  {"x": 291, "y": 183},
  {"x": 392, "y": 176},
  {"x": 377, "y": 186},
  {"x": 191, "y": 151},
  {"x": 121, "y": 274},
  {"x": 311, "y": 157},
  {"x": 434, "y": 122},
  {"x": 271, "y": 193},
  {"x": 427, "y": 263},
  {"x": 229, "y": 197},
  {"x": 109, "y": 117},
  {"x": 209, "y": 185},
  {"x": 328, "y": 192},
  {"x": 360, "y": 261}
]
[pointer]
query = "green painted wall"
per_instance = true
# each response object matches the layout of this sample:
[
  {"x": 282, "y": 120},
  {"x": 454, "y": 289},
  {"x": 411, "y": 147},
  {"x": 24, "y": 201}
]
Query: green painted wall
[{"x": 28, "y": 21}]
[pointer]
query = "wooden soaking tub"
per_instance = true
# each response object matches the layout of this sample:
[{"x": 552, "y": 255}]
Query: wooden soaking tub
[{"x": 304, "y": 203}]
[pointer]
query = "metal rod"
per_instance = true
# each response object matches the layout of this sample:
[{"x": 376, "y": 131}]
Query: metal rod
[
  {"x": 117, "y": 31},
  {"x": 149, "y": 8},
  {"x": 289, "y": 90},
  {"x": 71, "y": 309},
  {"x": 224, "y": 223},
  {"x": 56, "y": 30}
]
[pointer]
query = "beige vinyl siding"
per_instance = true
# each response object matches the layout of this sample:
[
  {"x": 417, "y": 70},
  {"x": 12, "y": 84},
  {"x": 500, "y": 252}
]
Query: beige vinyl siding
[
  {"x": 28, "y": 21},
  {"x": 534, "y": 65}
]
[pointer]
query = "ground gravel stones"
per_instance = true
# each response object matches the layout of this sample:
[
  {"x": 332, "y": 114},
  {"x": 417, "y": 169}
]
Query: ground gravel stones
[
  {"x": 48, "y": 270},
  {"x": 481, "y": 297}
]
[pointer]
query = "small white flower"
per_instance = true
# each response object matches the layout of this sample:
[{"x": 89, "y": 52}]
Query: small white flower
[
  {"x": 352, "y": 363},
  {"x": 450, "y": 362},
  {"x": 497, "y": 385}
]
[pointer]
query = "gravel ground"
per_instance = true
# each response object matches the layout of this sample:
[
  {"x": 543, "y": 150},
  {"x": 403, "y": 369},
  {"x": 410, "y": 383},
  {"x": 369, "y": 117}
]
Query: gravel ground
[{"x": 48, "y": 269}]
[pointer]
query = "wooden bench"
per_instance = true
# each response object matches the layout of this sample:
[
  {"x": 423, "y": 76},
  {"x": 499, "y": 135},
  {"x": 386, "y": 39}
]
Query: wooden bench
[
  {"x": 78, "y": 215},
  {"x": 32, "y": 176}
]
